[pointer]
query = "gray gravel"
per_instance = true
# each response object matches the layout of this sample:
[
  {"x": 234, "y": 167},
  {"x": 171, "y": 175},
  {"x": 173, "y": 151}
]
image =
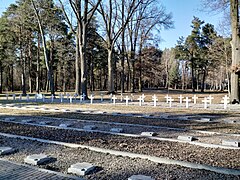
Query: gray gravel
[{"x": 110, "y": 167}]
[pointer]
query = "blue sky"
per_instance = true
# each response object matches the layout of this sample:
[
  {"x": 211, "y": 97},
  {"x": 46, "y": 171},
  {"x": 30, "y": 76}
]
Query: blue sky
[{"x": 183, "y": 12}]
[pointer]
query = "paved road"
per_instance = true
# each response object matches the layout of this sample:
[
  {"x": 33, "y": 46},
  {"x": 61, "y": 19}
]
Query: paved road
[{"x": 13, "y": 171}]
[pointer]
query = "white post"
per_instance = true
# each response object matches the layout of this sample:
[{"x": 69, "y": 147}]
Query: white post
[
  {"x": 14, "y": 97},
  {"x": 210, "y": 98},
  {"x": 205, "y": 101},
  {"x": 155, "y": 99},
  {"x": 7, "y": 96},
  {"x": 166, "y": 97},
  {"x": 111, "y": 97},
  {"x": 20, "y": 97},
  {"x": 70, "y": 99},
  {"x": 91, "y": 99},
  {"x": 114, "y": 99},
  {"x": 180, "y": 99},
  {"x": 127, "y": 99},
  {"x": 61, "y": 98},
  {"x": 43, "y": 98},
  {"x": 170, "y": 100},
  {"x": 140, "y": 100},
  {"x": 121, "y": 97},
  {"x": 27, "y": 97},
  {"x": 195, "y": 99},
  {"x": 187, "y": 102}
]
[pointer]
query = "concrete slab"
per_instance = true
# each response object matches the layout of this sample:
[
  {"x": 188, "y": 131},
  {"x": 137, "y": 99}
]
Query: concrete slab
[
  {"x": 116, "y": 130},
  {"x": 37, "y": 159},
  {"x": 148, "y": 133},
  {"x": 81, "y": 169},
  {"x": 186, "y": 138},
  {"x": 140, "y": 177},
  {"x": 235, "y": 143},
  {"x": 64, "y": 125},
  {"x": 90, "y": 127},
  {"x": 6, "y": 150}
]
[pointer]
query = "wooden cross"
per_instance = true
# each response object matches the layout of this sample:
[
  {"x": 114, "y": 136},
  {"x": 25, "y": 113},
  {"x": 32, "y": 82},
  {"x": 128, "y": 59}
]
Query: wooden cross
[
  {"x": 205, "y": 101},
  {"x": 210, "y": 98},
  {"x": 187, "y": 102},
  {"x": 180, "y": 99},
  {"x": 114, "y": 99},
  {"x": 127, "y": 99},
  {"x": 195, "y": 99},
  {"x": 170, "y": 100},
  {"x": 155, "y": 99}
]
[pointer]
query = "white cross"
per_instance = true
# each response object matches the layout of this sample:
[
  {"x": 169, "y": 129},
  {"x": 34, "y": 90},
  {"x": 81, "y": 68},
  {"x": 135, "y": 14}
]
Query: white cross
[
  {"x": 114, "y": 99},
  {"x": 43, "y": 98},
  {"x": 127, "y": 99},
  {"x": 170, "y": 100},
  {"x": 195, "y": 99},
  {"x": 210, "y": 98},
  {"x": 52, "y": 98},
  {"x": 225, "y": 101},
  {"x": 20, "y": 97},
  {"x": 7, "y": 96},
  {"x": 155, "y": 99},
  {"x": 205, "y": 101},
  {"x": 61, "y": 98},
  {"x": 180, "y": 99},
  {"x": 140, "y": 100},
  {"x": 91, "y": 98},
  {"x": 68, "y": 95},
  {"x": 27, "y": 97},
  {"x": 132, "y": 96},
  {"x": 83, "y": 95},
  {"x": 187, "y": 102},
  {"x": 14, "y": 97},
  {"x": 70, "y": 99},
  {"x": 75, "y": 96},
  {"x": 81, "y": 98},
  {"x": 166, "y": 97},
  {"x": 101, "y": 97},
  {"x": 143, "y": 97}
]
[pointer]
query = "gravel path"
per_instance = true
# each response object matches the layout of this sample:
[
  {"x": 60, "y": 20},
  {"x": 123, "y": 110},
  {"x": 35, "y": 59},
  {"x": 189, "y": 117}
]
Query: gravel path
[
  {"x": 177, "y": 151},
  {"x": 108, "y": 166}
]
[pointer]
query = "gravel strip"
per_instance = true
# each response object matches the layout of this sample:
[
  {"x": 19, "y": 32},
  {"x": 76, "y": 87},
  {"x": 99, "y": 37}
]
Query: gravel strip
[
  {"x": 177, "y": 151},
  {"x": 109, "y": 166}
]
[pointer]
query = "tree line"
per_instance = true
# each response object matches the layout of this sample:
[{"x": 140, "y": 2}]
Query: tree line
[{"x": 48, "y": 45}]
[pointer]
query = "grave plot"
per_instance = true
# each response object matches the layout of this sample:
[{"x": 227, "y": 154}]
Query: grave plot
[
  {"x": 107, "y": 166},
  {"x": 128, "y": 129},
  {"x": 171, "y": 150}
]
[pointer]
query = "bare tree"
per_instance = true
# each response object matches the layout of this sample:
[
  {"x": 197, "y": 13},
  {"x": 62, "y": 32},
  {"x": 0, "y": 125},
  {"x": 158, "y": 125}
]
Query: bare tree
[{"x": 84, "y": 11}]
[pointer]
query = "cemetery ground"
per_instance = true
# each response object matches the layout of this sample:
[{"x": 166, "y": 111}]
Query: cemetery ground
[{"x": 122, "y": 140}]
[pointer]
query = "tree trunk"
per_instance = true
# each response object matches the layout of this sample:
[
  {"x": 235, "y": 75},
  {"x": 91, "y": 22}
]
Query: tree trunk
[
  {"x": 235, "y": 51},
  {"x": 110, "y": 72},
  {"x": 77, "y": 69},
  {"x": 38, "y": 66},
  {"x": 203, "y": 80},
  {"x": 1, "y": 79}
]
